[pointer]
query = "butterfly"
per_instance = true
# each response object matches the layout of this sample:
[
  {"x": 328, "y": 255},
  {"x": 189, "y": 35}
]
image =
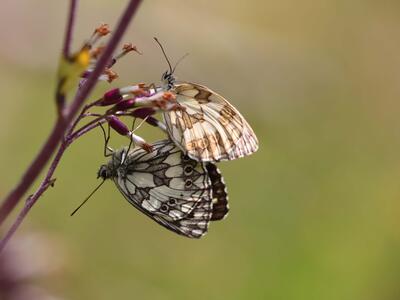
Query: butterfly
[
  {"x": 179, "y": 193},
  {"x": 207, "y": 127}
]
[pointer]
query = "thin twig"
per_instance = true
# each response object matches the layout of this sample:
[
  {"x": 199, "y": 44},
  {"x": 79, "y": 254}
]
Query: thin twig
[
  {"x": 47, "y": 181},
  {"x": 69, "y": 28},
  {"x": 85, "y": 90},
  {"x": 33, "y": 170},
  {"x": 81, "y": 116},
  {"x": 62, "y": 124},
  {"x": 33, "y": 198},
  {"x": 86, "y": 129}
]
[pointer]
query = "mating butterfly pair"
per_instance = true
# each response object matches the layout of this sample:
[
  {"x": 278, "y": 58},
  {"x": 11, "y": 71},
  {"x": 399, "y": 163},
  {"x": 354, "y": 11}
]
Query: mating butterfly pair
[{"x": 177, "y": 184}]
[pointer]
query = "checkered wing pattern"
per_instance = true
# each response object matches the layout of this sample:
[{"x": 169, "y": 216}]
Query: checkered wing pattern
[
  {"x": 208, "y": 128},
  {"x": 169, "y": 187}
]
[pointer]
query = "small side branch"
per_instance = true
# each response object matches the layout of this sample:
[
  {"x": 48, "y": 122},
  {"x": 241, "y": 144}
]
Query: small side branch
[
  {"x": 63, "y": 123},
  {"x": 69, "y": 28},
  {"x": 48, "y": 181}
]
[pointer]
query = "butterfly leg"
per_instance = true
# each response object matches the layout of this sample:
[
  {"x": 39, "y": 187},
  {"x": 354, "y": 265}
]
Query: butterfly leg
[
  {"x": 106, "y": 140},
  {"x": 131, "y": 140},
  {"x": 137, "y": 139},
  {"x": 123, "y": 130},
  {"x": 154, "y": 87},
  {"x": 146, "y": 113}
]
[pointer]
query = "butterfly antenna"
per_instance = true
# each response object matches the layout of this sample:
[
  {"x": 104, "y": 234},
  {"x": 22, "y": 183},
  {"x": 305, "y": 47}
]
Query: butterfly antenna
[
  {"x": 87, "y": 198},
  {"x": 140, "y": 124},
  {"x": 178, "y": 62},
  {"x": 165, "y": 55}
]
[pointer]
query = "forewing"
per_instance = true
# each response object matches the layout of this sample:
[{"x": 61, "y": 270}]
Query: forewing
[
  {"x": 169, "y": 187},
  {"x": 208, "y": 128}
]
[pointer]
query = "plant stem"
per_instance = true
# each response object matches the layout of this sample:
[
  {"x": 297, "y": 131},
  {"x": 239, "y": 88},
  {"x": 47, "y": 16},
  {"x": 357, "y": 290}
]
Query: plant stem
[
  {"x": 104, "y": 58},
  {"x": 33, "y": 198},
  {"x": 47, "y": 181},
  {"x": 69, "y": 28},
  {"x": 33, "y": 170},
  {"x": 63, "y": 122}
]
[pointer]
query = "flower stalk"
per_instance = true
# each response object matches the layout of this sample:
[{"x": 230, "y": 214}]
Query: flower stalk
[{"x": 62, "y": 134}]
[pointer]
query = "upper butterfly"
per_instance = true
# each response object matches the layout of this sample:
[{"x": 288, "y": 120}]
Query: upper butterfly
[{"x": 208, "y": 127}]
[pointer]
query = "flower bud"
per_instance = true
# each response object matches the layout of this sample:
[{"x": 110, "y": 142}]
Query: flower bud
[
  {"x": 118, "y": 125},
  {"x": 143, "y": 112},
  {"x": 153, "y": 121},
  {"x": 102, "y": 30},
  {"x": 111, "y": 97},
  {"x": 124, "y": 105}
]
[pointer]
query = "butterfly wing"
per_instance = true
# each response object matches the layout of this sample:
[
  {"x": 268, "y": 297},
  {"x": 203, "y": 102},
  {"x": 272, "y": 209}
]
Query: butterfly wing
[
  {"x": 169, "y": 187},
  {"x": 208, "y": 128}
]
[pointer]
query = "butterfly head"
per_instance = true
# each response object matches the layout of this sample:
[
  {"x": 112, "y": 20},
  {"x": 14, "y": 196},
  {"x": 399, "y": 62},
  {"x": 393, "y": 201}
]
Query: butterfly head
[
  {"x": 167, "y": 77},
  {"x": 104, "y": 172}
]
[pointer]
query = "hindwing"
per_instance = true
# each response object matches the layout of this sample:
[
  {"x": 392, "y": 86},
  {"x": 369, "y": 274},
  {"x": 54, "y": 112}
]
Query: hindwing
[{"x": 168, "y": 186}]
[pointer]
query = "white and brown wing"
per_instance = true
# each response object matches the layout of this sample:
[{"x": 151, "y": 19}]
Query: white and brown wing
[
  {"x": 169, "y": 187},
  {"x": 208, "y": 128}
]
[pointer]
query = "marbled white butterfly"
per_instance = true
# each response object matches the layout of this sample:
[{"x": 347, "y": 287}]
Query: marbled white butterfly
[
  {"x": 177, "y": 192},
  {"x": 208, "y": 127}
]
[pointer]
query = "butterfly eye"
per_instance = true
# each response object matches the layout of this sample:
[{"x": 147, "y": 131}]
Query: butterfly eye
[
  {"x": 172, "y": 202},
  {"x": 103, "y": 173},
  {"x": 188, "y": 183},
  {"x": 188, "y": 170},
  {"x": 164, "y": 208}
]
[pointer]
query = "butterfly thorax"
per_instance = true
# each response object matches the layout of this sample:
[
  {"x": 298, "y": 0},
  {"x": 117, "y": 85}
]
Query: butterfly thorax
[{"x": 168, "y": 80}]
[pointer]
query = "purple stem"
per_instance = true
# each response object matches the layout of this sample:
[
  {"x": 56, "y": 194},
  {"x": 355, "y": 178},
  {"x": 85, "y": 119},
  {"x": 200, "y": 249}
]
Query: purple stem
[
  {"x": 86, "y": 129},
  {"x": 32, "y": 199},
  {"x": 69, "y": 28},
  {"x": 85, "y": 90},
  {"x": 47, "y": 181},
  {"x": 33, "y": 170},
  {"x": 64, "y": 122}
]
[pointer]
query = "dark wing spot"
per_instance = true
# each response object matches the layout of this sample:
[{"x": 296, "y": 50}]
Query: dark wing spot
[
  {"x": 188, "y": 170},
  {"x": 188, "y": 183},
  {"x": 172, "y": 202},
  {"x": 202, "y": 96},
  {"x": 164, "y": 208}
]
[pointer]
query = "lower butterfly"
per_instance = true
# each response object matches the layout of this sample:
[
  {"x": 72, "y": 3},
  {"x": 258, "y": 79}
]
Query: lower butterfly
[{"x": 179, "y": 193}]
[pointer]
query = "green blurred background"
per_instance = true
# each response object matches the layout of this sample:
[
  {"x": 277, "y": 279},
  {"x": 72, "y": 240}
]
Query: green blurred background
[{"x": 314, "y": 213}]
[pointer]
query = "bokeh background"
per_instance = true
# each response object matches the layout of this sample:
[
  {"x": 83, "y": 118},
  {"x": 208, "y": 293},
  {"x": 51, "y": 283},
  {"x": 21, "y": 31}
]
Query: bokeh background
[{"x": 314, "y": 213}]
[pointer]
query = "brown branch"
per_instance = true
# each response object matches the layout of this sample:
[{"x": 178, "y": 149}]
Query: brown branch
[{"x": 64, "y": 121}]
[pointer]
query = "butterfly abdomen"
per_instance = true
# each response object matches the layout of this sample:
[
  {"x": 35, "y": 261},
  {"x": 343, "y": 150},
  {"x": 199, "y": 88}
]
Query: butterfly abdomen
[{"x": 220, "y": 195}]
